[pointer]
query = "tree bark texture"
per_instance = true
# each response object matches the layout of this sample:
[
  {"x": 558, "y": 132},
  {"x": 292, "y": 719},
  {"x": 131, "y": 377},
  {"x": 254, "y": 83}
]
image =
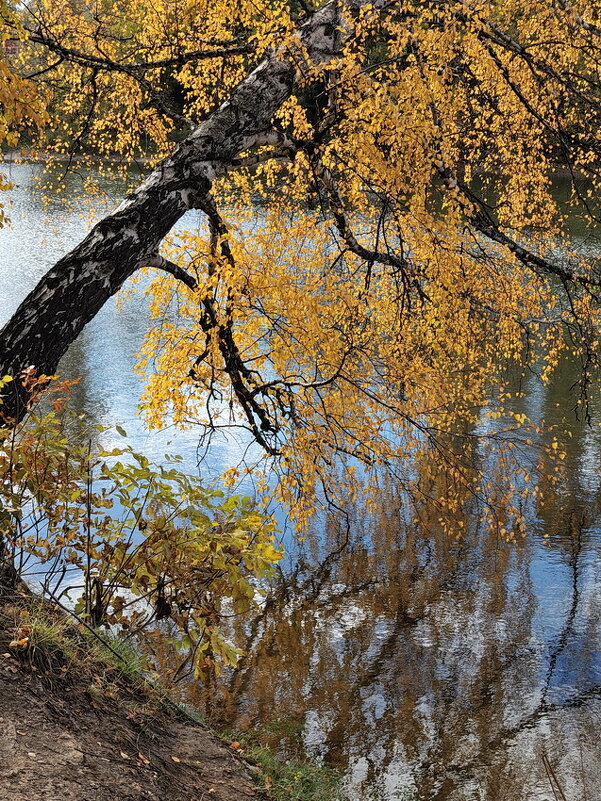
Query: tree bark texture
[{"x": 76, "y": 287}]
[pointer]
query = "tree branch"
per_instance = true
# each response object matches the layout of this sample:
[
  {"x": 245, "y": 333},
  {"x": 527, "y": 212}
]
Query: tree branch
[
  {"x": 74, "y": 290},
  {"x": 161, "y": 263},
  {"x": 104, "y": 63}
]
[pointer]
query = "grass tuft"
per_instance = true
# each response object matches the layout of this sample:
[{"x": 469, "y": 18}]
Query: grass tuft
[
  {"x": 296, "y": 779},
  {"x": 120, "y": 655},
  {"x": 49, "y": 649}
]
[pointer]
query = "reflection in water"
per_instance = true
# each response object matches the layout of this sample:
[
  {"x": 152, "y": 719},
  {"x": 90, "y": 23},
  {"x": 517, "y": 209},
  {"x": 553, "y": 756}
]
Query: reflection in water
[
  {"x": 424, "y": 667},
  {"x": 437, "y": 671}
]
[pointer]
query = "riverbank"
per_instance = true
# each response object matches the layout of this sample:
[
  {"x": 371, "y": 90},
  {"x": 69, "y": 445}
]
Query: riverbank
[{"x": 78, "y": 720}]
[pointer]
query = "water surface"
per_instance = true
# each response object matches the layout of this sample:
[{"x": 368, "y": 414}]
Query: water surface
[{"x": 422, "y": 668}]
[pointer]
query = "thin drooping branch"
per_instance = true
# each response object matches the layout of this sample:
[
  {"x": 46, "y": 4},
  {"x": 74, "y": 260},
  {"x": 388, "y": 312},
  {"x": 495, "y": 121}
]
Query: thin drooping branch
[
  {"x": 137, "y": 70},
  {"x": 482, "y": 221},
  {"x": 588, "y": 26},
  {"x": 337, "y": 207},
  {"x": 110, "y": 65},
  {"x": 242, "y": 380},
  {"x": 161, "y": 263},
  {"x": 75, "y": 288}
]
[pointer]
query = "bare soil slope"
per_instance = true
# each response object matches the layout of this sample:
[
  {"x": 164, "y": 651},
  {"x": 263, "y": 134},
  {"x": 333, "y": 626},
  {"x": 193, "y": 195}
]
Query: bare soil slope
[{"x": 66, "y": 737}]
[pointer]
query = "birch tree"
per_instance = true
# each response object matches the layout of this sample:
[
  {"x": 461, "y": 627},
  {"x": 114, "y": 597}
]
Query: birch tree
[{"x": 383, "y": 238}]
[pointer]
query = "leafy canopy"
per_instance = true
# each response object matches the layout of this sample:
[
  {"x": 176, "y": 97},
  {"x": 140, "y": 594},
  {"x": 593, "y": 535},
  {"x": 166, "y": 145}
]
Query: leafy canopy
[{"x": 367, "y": 277}]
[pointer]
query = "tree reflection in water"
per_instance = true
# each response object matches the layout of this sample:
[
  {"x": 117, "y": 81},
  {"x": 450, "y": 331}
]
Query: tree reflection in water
[
  {"x": 434, "y": 668},
  {"x": 422, "y": 665}
]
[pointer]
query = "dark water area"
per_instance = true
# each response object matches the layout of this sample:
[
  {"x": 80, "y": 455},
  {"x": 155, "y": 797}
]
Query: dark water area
[{"x": 423, "y": 667}]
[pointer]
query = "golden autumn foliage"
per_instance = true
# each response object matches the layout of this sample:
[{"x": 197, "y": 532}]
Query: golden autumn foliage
[
  {"x": 21, "y": 102},
  {"x": 375, "y": 279}
]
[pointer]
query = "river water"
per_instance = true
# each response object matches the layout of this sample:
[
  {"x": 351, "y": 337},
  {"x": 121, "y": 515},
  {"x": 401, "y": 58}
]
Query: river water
[{"x": 421, "y": 668}]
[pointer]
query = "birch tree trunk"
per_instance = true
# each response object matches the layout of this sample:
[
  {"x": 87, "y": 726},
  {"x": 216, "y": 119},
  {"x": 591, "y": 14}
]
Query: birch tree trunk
[{"x": 73, "y": 291}]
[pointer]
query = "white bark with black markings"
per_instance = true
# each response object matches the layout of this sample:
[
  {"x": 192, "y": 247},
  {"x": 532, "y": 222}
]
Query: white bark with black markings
[{"x": 75, "y": 289}]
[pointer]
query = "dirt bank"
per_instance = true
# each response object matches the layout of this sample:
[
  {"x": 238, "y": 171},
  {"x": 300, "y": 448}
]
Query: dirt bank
[{"x": 74, "y": 729}]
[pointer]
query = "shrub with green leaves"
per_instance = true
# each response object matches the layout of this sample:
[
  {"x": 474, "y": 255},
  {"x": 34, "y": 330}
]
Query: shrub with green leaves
[{"x": 157, "y": 550}]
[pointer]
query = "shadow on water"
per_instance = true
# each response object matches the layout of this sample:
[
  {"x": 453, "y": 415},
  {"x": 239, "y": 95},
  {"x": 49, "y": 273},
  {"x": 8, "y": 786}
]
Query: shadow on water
[{"x": 425, "y": 667}]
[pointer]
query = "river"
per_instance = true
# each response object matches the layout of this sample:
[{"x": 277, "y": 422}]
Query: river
[{"x": 423, "y": 669}]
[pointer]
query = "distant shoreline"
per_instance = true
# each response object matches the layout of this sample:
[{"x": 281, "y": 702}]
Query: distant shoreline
[{"x": 47, "y": 157}]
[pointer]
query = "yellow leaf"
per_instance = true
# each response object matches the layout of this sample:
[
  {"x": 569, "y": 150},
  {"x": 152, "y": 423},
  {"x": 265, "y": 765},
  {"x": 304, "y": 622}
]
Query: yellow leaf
[{"x": 22, "y": 643}]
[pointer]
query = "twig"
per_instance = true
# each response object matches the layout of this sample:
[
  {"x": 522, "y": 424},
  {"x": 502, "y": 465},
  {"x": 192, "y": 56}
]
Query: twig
[{"x": 553, "y": 780}]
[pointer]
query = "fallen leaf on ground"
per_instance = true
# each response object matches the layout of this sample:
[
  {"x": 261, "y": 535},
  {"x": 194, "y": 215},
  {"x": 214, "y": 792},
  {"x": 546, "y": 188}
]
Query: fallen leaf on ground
[{"x": 22, "y": 643}]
